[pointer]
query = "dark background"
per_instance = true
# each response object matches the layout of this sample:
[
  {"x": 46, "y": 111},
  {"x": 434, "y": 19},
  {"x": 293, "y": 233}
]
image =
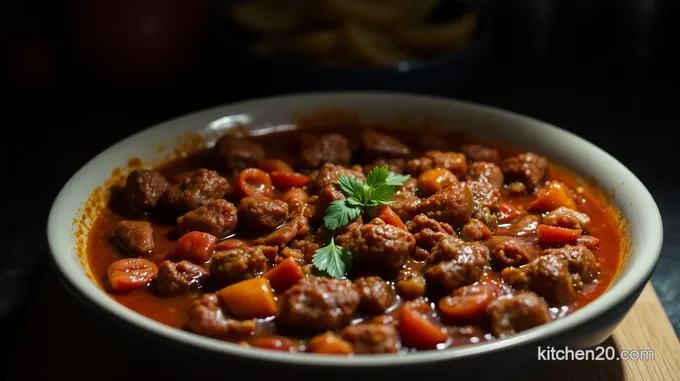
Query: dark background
[{"x": 605, "y": 70}]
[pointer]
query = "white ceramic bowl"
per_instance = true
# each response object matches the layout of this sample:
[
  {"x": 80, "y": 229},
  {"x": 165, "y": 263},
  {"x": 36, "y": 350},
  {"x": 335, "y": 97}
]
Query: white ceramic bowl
[{"x": 588, "y": 326}]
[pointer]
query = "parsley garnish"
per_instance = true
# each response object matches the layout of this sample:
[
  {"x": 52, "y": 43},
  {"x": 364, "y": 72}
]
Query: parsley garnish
[{"x": 379, "y": 189}]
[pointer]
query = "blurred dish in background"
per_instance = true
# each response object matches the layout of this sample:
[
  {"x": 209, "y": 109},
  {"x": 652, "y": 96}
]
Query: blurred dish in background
[{"x": 352, "y": 32}]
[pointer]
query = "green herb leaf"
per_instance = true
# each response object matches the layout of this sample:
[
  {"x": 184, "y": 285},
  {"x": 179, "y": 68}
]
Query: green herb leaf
[
  {"x": 377, "y": 176},
  {"x": 339, "y": 213},
  {"x": 380, "y": 194},
  {"x": 333, "y": 260},
  {"x": 396, "y": 180},
  {"x": 354, "y": 188}
]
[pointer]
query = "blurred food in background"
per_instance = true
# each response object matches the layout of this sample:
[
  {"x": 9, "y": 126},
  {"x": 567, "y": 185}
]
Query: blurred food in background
[{"x": 352, "y": 32}]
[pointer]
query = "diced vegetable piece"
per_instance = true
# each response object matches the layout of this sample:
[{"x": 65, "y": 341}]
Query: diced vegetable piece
[
  {"x": 330, "y": 344},
  {"x": 196, "y": 247},
  {"x": 231, "y": 243},
  {"x": 284, "y": 180},
  {"x": 249, "y": 299},
  {"x": 253, "y": 182},
  {"x": 434, "y": 180},
  {"x": 274, "y": 343},
  {"x": 417, "y": 331},
  {"x": 554, "y": 235},
  {"x": 275, "y": 165},
  {"x": 467, "y": 303},
  {"x": 284, "y": 275},
  {"x": 388, "y": 215},
  {"x": 551, "y": 197},
  {"x": 131, "y": 273}
]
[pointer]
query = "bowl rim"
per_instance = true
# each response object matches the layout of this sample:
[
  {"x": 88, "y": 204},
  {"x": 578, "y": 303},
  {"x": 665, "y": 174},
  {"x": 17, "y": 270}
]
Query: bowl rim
[{"x": 625, "y": 287}]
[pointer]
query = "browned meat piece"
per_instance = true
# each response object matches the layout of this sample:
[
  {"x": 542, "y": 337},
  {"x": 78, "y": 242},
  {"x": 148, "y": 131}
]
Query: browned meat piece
[
  {"x": 135, "y": 237},
  {"x": 475, "y": 230},
  {"x": 318, "y": 304},
  {"x": 410, "y": 187},
  {"x": 453, "y": 161},
  {"x": 455, "y": 249},
  {"x": 394, "y": 165},
  {"x": 526, "y": 226},
  {"x": 143, "y": 188},
  {"x": 487, "y": 201},
  {"x": 207, "y": 318},
  {"x": 194, "y": 191},
  {"x": 451, "y": 275},
  {"x": 410, "y": 284},
  {"x": 427, "y": 233},
  {"x": 238, "y": 264},
  {"x": 297, "y": 227},
  {"x": 376, "y": 294},
  {"x": 516, "y": 313},
  {"x": 528, "y": 168},
  {"x": 379, "y": 245},
  {"x": 582, "y": 262},
  {"x": 236, "y": 154},
  {"x": 176, "y": 278},
  {"x": 329, "y": 173},
  {"x": 217, "y": 217},
  {"x": 257, "y": 214},
  {"x": 376, "y": 145},
  {"x": 367, "y": 338},
  {"x": 326, "y": 196},
  {"x": 510, "y": 251},
  {"x": 478, "y": 152},
  {"x": 452, "y": 205},
  {"x": 567, "y": 218},
  {"x": 406, "y": 206},
  {"x": 547, "y": 276},
  {"x": 485, "y": 172},
  {"x": 588, "y": 241},
  {"x": 330, "y": 148}
]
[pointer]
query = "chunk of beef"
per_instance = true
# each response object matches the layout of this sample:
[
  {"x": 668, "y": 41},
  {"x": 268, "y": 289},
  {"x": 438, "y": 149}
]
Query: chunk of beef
[
  {"x": 427, "y": 233},
  {"x": 176, "y": 278},
  {"x": 217, "y": 217},
  {"x": 330, "y": 148},
  {"x": 367, "y": 338},
  {"x": 297, "y": 227},
  {"x": 329, "y": 173},
  {"x": 516, "y": 313},
  {"x": 475, "y": 230},
  {"x": 135, "y": 237},
  {"x": 487, "y": 201},
  {"x": 376, "y": 145},
  {"x": 547, "y": 276},
  {"x": 455, "y": 249},
  {"x": 194, "y": 191},
  {"x": 582, "y": 263},
  {"x": 207, "y": 318},
  {"x": 486, "y": 172},
  {"x": 394, "y": 165},
  {"x": 453, "y": 161},
  {"x": 257, "y": 214},
  {"x": 453, "y": 205},
  {"x": 479, "y": 152},
  {"x": 410, "y": 187},
  {"x": 379, "y": 245},
  {"x": 588, "y": 241},
  {"x": 451, "y": 275},
  {"x": 143, "y": 188},
  {"x": 510, "y": 251},
  {"x": 411, "y": 284},
  {"x": 528, "y": 168},
  {"x": 235, "y": 154},
  {"x": 318, "y": 304},
  {"x": 567, "y": 218},
  {"x": 239, "y": 264},
  {"x": 526, "y": 226},
  {"x": 406, "y": 206},
  {"x": 376, "y": 294},
  {"x": 326, "y": 196}
]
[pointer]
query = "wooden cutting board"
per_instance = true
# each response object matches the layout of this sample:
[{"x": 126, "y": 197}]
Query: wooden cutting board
[{"x": 61, "y": 337}]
